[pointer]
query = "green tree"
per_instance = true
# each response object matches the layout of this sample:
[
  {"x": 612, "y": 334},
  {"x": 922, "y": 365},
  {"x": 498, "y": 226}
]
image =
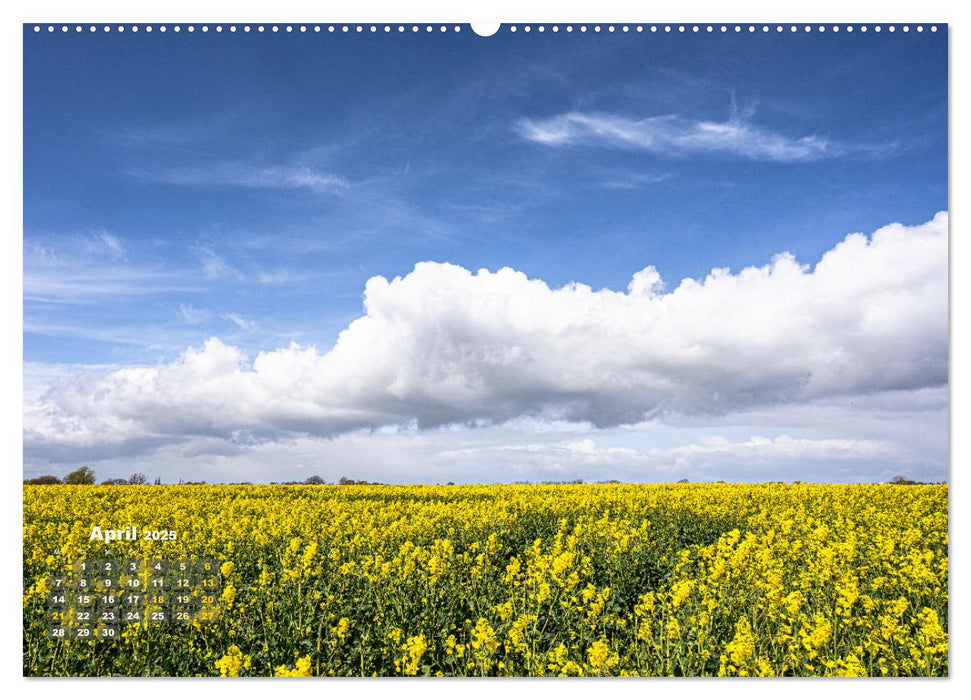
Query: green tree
[
  {"x": 83, "y": 476},
  {"x": 45, "y": 480}
]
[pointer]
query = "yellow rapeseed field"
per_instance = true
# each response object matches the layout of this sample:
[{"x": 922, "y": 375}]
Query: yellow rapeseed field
[{"x": 524, "y": 580}]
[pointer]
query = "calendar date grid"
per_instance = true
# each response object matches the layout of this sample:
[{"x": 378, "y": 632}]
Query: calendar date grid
[{"x": 98, "y": 598}]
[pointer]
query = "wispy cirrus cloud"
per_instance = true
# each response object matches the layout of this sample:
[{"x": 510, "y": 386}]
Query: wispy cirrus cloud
[
  {"x": 113, "y": 246},
  {"x": 215, "y": 266},
  {"x": 192, "y": 315},
  {"x": 282, "y": 177},
  {"x": 631, "y": 181},
  {"x": 52, "y": 285},
  {"x": 674, "y": 135},
  {"x": 244, "y": 324}
]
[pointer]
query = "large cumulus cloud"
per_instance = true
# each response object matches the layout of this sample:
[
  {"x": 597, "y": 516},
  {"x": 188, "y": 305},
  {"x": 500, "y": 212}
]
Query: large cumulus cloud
[{"x": 445, "y": 345}]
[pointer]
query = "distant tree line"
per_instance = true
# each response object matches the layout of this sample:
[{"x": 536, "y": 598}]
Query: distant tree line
[
  {"x": 319, "y": 481},
  {"x": 904, "y": 481},
  {"x": 85, "y": 476}
]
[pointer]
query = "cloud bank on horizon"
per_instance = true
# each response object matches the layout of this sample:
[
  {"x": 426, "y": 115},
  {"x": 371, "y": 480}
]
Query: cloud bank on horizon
[{"x": 444, "y": 345}]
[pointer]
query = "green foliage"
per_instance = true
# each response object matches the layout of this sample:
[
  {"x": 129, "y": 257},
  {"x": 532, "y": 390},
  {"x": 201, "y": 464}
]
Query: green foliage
[
  {"x": 83, "y": 476},
  {"x": 45, "y": 480}
]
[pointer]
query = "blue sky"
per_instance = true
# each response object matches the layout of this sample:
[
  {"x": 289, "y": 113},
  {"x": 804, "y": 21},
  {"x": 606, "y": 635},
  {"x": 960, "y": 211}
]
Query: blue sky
[{"x": 246, "y": 187}]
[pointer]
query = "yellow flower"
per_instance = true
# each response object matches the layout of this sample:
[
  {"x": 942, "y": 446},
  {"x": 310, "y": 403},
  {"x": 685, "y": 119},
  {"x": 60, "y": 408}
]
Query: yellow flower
[
  {"x": 742, "y": 646},
  {"x": 931, "y": 636},
  {"x": 851, "y": 667},
  {"x": 819, "y": 635},
  {"x": 600, "y": 656},
  {"x": 484, "y": 643},
  {"x": 228, "y": 594},
  {"x": 301, "y": 669},
  {"x": 341, "y": 629},
  {"x": 231, "y": 663},
  {"x": 794, "y": 601},
  {"x": 680, "y": 592},
  {"x": 830, "y": 579},
  {"x": 504, "y": 610},
  {"x": 673, "y": 629},
  {"x": 645, "y": 605},
  {"x": 414, "y": 648},
  {"x": 40, "y": 587},
  {"x": 517, "y": 634}
]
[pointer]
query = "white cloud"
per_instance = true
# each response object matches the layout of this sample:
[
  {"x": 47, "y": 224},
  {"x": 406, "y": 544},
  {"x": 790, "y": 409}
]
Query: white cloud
[
  {"x": 507, "y": 453},
  {"x": 674, "y": 135},
  {"x": 632, "y": 181},
  {"x": 192, "y": 315},
  {"x": 83, "y": 286},
  {"x": 244, "y": 324},
  {"x": 114, "y": 246},
  {"x": 445, "y": 345},
  {"x": 73, "y": 271},
  {"x": 214, "y": 266},
  {"x": 761, "y": 458},
  {"x": 294, "y": 177}
]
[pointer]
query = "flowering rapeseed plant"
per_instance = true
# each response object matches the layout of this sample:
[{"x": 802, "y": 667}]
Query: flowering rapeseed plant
[{"x": 686, "y": 579}]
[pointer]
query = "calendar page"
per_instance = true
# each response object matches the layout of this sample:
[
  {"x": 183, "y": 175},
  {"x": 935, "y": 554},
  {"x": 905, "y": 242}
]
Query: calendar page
[{"x": 450, "y": 350}]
